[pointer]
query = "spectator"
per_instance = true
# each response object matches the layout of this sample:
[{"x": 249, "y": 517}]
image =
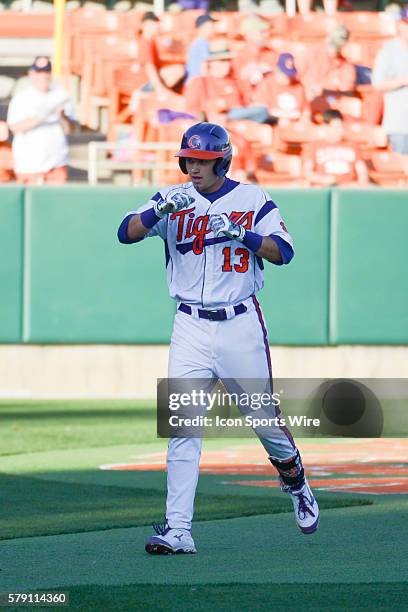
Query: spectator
[
  {"x": 6, "y": 157},
  {"x": 199, "y": 50},
  {"x": 334, "y": 161},
  {"x": 325, "y": 70},
  {"x": 390, "y": 75},
  {"x": 282, "y": 93},
  {"x": 217, "y": 96},
  {"x": 149, "y": 55},
  {"x": 256, "y": 59},
  {"x": 39, "y": 117}
]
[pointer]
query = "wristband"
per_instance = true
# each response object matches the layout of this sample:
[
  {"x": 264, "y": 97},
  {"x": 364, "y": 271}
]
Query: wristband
[
  {"x": 149, "y": 218},
  {"x": 252, "y": 241}
]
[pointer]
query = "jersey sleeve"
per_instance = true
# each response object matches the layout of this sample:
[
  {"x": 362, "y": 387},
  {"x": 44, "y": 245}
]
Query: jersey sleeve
[
  {"x": 268, "y": 222},
  {"x": 159, "y": 229}
]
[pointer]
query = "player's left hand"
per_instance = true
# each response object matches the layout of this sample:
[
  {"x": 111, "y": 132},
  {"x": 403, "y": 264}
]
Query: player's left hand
[{"x": 222, "y": 225}]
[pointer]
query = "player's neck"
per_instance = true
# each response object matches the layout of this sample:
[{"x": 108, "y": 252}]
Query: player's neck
[{"x": 215, "y": 186}]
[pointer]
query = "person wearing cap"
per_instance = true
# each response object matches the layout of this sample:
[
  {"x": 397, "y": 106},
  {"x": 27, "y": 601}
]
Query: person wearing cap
[
  {"x": 390, "y": 75},
  {"x": 149, "y": 60},
  {"x": 334, "y": 160},
  {"x": 325, "y": 70},
  {"x": 200, "y": 49},
  {"x": 39, "y": 117},
  {"x": 218, "y": 97},
  {"x": 282, "y": 93}
]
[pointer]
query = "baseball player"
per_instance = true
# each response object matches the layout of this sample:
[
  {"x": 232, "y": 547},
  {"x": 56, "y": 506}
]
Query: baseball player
[{"x": 217, "y": 235}]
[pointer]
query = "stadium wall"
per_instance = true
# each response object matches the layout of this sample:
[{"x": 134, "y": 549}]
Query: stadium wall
[{"x": 65, "y": 279}]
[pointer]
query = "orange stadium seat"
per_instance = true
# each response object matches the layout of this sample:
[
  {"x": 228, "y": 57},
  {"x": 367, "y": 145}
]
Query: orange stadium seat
[
  {"x": 179, "y": 22},
  {"x": 372, "y": 104},
  {"x": 14, "y": 24},
  {"x": 145, "y": 119},
  {"x": 279, "y": 24},
  {"x": 365, "y": 135},
  {"x": 350, "y": 107},
  {"x": 362, "y": 51},
  {"x": 280, "y": 169},
  {"x": 130, "y": 22},
  {"x": 284, "y": 45},
  {"x": 253, "y": 140},
  {"x": 172, "y": 132},
  {"x": 290, "y": 138},
  {"x": 312, "y": 27},
  {"x": 122, "y": 82},
  {"x": 103, "y": 55},
  {"x": 172, "y": 49},
  {"x": 80, "y": 24},
  {"x": 389, "y": 169},
  {"x": 368, "y": 24},
  {"x": 227, "y": 23}
]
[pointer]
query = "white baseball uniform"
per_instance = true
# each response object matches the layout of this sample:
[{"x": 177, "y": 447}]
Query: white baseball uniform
[{"x": 207, "y": 273}]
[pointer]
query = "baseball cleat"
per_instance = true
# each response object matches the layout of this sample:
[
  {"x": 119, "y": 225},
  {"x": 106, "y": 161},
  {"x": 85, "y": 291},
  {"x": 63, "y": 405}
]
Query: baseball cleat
[
  {"x": 306, "y": 508},
  {"x": 170, "y": 541}
]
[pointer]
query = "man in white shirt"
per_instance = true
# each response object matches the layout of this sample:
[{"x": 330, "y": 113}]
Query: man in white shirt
[
  {"x": 39, "y": 117},
  {"x": 390, "y": 75}
]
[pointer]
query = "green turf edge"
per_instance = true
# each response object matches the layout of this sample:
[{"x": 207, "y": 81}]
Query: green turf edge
[{"x": 231, "y": 597}]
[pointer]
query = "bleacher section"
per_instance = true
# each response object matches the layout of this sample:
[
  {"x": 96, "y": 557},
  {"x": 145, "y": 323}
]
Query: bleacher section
[{"x": 101, "y": 67}]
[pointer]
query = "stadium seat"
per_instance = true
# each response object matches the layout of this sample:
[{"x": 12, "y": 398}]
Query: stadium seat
[
  {"x": 172, "y": 49},
  {"x": 145, "y": 119},
  {"x": 365, "y": 135},
  {"x": 14, "y": 24},
  {"x": 362, "y": 52},
  {"x": 290, "y": 138},
  {"x": 372, "y": 104},
  {"x": 79, "y": 25},
  {"x": 312, "y": 27},
  {"x": 172, "y": 132},
  {"x": 280, "y": 169},
  {"x": 368, "y": 24},
  {"x": 284, "y": 45},
  {"x": 103, "y": 54},
  {"x": 350, "y": 106},
  {"x": 183, "y": 21},
  {"x": 278, "y": 23},
  {"x": 389, "y": 169}
]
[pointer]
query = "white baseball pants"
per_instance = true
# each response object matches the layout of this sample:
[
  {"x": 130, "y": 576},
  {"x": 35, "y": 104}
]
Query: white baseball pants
[{"x": 233, "y": 348}]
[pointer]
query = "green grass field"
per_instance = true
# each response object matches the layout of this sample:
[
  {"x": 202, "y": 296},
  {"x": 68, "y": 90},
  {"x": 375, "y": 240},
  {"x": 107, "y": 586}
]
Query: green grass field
[{"x": 66, "y": 524}]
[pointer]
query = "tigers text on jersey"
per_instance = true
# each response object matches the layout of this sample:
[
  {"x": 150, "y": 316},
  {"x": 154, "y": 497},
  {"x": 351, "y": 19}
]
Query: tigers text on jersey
[{"x": 217, "y": 272}]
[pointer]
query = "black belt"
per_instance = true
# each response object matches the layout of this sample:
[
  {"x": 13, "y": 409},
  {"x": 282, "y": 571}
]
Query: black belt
[{"x": 213, "y": 315}]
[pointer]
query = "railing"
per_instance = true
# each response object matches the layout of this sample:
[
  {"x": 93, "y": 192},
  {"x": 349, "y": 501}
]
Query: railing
[{"x": 95, "y": 164}]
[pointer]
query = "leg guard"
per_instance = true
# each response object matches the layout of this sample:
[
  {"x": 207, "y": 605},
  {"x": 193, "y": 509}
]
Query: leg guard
[{"x": 291, "y": 472}]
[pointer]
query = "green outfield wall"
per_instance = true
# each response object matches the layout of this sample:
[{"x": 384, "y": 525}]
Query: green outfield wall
[{"x": 64, "y": 277}]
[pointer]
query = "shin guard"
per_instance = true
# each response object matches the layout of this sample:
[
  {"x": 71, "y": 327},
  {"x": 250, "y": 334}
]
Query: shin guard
[{"x": 291, "y": 472}]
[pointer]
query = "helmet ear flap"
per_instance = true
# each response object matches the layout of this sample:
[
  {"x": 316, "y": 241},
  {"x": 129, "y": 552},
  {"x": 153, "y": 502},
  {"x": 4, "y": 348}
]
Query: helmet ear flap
[
  {"x": 222, "y": 166},
  {"x": 183, "y": 165}
]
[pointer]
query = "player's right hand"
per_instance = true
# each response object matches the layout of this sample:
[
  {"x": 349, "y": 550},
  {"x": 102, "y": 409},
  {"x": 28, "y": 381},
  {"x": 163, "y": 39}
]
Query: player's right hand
[{"x": 173, "y": 202}]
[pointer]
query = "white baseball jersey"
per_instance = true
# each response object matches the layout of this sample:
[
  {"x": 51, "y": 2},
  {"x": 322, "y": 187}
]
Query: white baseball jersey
[{"x": 214, "y": 272}]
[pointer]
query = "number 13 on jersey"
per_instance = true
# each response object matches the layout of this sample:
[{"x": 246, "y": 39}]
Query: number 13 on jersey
[{"x": 241, "y": 254}]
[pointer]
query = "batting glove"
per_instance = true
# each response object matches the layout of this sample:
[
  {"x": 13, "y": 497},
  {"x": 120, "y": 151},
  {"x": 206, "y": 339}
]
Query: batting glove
[
  {"x": 222, "y": 225},
  {"x": 173, "y": 202}
]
